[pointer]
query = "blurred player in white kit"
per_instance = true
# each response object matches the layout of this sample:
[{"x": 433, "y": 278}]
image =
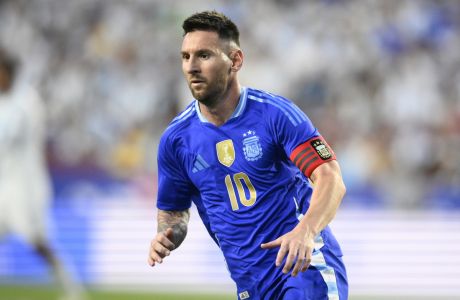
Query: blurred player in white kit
[{"x": 25, "y": 191}]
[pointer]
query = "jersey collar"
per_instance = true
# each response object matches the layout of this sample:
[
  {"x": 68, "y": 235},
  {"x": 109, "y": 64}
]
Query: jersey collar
[{"x": 236, "y": 113}]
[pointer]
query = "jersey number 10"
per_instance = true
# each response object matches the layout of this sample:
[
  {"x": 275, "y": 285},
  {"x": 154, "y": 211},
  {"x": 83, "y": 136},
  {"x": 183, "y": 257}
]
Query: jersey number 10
[{"x": 239, "y": 179}]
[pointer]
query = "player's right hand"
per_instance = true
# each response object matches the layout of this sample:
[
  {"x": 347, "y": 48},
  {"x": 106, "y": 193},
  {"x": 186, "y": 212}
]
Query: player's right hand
[{"x": 161, "y": 247}]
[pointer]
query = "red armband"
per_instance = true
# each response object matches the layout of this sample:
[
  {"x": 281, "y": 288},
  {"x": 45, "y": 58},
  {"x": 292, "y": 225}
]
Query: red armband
[{"x": 309, "y": 155}]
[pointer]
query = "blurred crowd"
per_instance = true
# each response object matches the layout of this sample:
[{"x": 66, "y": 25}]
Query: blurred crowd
[{"x": 381, "y": 79}]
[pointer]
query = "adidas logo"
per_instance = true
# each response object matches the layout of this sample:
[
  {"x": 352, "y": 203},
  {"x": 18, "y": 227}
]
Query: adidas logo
[{"x": 199, "y": 164}]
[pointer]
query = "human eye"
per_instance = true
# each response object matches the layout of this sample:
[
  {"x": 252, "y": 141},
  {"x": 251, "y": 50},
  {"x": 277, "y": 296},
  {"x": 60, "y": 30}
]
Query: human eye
[
  {"x": 185, "y": 56},
  {"x": 204, "y": 55}
]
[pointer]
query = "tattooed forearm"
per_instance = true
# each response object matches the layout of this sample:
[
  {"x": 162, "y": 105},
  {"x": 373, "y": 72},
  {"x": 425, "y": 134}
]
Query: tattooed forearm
[{"x": 177, "y": 220}]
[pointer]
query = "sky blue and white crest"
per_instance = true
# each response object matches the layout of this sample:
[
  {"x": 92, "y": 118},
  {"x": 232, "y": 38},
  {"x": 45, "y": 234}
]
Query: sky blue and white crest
[{"x": 251, "y": 146}]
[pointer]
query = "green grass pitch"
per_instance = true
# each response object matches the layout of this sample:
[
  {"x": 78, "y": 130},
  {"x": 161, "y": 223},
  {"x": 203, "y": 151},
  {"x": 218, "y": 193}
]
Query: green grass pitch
[
  {"x": 17, "y": 292},
  {"x": 44, "y": 293}
]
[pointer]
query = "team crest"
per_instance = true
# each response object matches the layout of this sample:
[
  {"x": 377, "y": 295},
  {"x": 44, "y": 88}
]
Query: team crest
[
  {"x": 251, "y": 146},
  {"x": 322, "y": 150},
  {"x": 225, "y": 152}
]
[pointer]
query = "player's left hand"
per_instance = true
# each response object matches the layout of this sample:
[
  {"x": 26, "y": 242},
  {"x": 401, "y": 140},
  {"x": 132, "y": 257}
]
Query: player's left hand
[{"x": 298, "y": 246}]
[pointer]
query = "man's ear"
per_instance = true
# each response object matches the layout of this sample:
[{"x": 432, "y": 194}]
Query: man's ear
[{"x": 237, "y": 58}]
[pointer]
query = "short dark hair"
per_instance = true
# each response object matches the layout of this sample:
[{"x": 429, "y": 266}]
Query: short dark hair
[{"x": 213, "y": 21}]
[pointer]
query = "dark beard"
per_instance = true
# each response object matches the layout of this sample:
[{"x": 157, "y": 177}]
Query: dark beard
[
  {"x": 208, "y": 100},
  {"x": 211, "y": 97}
]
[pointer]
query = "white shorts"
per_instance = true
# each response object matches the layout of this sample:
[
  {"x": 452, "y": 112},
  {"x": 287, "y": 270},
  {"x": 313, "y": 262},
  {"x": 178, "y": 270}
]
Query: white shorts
[{"x": 24, "y": 211}]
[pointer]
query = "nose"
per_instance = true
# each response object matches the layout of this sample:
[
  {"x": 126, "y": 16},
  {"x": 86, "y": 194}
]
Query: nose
[{"x": 191, "y": 66}]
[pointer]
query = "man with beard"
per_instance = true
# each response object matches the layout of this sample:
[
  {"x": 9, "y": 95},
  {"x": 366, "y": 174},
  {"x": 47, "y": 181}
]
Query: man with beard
[{"x": 245, "y": 158}]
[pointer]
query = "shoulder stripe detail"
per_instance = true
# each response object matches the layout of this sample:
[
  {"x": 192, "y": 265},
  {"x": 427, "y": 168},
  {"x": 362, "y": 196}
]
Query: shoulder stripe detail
[
  {"x": 183, "y": 116},
  {"x": 288, "y": 105},
  {"x": 296, "y": 110},
  {"x": 288, "y": 108},
  {"x": 288, "y": 114},
  {"x": 291, "y": 106},
  {"x": 184, "y": 113}
]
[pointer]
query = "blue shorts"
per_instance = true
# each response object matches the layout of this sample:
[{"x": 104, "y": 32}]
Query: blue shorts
[{"x": 325, "y": 279}]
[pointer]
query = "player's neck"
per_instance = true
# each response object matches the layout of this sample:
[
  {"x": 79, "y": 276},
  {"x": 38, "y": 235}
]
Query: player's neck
[{"x": 223, "y": 110}]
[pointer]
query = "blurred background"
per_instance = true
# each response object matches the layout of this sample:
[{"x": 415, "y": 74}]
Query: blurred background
[{"x": 380, "y": 79}]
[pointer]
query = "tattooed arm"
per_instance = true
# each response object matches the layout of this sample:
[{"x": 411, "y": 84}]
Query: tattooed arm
[
  {"x": 172, "y": 229},
  {"x": 177, "y": 221}
]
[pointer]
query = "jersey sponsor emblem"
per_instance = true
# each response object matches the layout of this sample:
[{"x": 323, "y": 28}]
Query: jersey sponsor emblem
[
  {"x": 244, "y": 295},
  {"x": 225, "y": 152},
  {"x": 251, "y": 147},
  {"x": 322, "y": 150}
]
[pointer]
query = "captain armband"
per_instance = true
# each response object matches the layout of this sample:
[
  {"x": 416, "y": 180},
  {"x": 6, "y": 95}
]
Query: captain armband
[{"x": 309, "y": 155}]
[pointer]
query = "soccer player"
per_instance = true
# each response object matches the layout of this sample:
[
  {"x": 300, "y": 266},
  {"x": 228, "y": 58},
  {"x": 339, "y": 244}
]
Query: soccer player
[
  {"x": 24, "y": 181},
  {"x": 245, "y": 158}
]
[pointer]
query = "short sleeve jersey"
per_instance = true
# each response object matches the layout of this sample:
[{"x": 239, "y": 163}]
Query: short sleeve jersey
[{"x": 239, "y": 175}]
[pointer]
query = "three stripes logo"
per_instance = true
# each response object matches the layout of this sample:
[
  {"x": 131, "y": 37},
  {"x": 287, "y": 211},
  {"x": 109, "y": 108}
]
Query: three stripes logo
[{"x": 199, "y": 164}]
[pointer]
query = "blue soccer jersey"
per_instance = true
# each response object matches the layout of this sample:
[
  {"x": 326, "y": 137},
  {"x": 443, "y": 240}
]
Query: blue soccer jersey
[{"x": 245, "y": 186}]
